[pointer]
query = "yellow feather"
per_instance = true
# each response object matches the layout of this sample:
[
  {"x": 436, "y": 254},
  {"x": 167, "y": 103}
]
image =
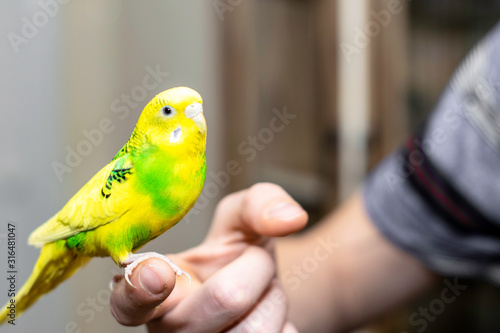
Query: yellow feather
[
  {"x": 54, "y": 265},
  {"x": 86, "y": 210}
]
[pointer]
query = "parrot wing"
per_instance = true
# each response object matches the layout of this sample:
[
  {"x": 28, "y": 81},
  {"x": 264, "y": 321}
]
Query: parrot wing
[{"x": 105, "y": 198}]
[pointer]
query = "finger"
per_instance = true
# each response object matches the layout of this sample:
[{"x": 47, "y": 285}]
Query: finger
[
  {"x": 154, "y": 280},
  {"x": 224, "y": 298},
  {"x": 269, "y": 315},
  {"x": 290, "y": 328},
  {"x": 262, "y": 210}
]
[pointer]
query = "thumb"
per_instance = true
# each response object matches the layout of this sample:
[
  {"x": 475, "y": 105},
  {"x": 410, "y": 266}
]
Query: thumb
[{"x": 153, "y": 281}]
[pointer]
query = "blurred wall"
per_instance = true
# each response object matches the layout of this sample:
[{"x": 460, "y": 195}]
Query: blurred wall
[
  {"x": 83, "y": 72},
  {"x": 32, "y": 132}
]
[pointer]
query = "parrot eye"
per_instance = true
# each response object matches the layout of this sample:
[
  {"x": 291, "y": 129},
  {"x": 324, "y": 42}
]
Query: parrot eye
[{"x": 167, "y": 110}]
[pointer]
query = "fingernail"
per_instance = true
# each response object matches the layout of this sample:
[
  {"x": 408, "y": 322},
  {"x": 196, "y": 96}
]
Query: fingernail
[
  {"x": 285, "y": 210},
  {"x": 152, "y": 280}
]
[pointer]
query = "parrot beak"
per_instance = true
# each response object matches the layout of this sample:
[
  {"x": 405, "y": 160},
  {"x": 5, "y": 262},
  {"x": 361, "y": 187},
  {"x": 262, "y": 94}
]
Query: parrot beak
[{"x": 195, "y": 112}]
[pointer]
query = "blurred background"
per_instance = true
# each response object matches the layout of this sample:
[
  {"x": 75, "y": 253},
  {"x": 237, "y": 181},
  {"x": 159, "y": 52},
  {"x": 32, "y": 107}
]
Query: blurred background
[{"x": 295, "y": 93}]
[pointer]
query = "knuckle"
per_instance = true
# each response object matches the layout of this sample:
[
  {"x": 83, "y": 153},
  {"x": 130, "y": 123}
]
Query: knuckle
[
  {"x": 229, "y": 298},
  {"x": 227, "y": 203},
  {"x": 259, "y": 188},
  {"x": 256, "y": 191},
  {"x": 265, "y": 258}
]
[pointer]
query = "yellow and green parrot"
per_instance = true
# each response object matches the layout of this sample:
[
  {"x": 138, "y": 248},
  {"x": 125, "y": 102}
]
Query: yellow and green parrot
[{"x": 153, "y": 181}]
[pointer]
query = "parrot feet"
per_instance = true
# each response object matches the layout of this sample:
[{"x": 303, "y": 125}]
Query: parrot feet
[{"x": 135, "y": 259}]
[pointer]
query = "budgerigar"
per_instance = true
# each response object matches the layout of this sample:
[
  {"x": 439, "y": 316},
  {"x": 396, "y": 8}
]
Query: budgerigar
[{"x": 153, "y": 181}]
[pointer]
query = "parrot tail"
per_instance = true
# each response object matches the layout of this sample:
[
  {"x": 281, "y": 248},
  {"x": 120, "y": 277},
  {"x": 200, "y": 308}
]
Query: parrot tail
[{"x": 55, "y": 264}]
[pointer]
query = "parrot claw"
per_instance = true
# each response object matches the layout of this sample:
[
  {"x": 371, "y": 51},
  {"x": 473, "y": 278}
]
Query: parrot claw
[
  {"x": 134, "y": 260},
  {"x": 128, "y": 272},
  {"x": 113, "y": 282}
]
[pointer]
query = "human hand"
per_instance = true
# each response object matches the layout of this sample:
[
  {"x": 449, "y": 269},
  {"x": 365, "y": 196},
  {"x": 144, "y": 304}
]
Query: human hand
[{"x": 234, "y": 288}]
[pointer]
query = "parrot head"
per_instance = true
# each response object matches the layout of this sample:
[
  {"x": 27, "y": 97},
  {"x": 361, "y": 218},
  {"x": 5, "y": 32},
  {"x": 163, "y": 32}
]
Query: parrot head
[{"x": 174, "y": 117}]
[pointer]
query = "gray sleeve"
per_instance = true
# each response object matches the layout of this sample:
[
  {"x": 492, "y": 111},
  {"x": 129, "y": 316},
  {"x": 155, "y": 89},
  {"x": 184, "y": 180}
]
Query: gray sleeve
[{"x": 438, "y": 197}]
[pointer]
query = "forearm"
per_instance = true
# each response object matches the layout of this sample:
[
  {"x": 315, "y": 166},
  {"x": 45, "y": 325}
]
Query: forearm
[{"x": 343, "y": 273}]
